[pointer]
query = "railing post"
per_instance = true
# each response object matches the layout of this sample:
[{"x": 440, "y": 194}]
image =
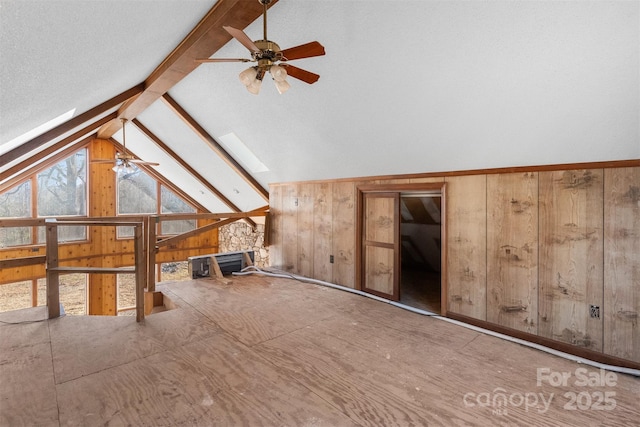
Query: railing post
[
  {"x": 151, "y": 254},
  {"x": 53, "y": 280},
  {"x": 140, "y": 267}
]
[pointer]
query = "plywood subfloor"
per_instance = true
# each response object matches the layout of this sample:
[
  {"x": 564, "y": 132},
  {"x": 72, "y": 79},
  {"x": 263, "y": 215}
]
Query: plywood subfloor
[
  {"x": 421, "y": 289},
  {"x": 266, "y": 351}
]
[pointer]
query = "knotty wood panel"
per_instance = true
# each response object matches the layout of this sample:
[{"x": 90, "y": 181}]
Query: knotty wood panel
[
  {"x": 571, "y": 258},
  {"x": 512, "y": 250},
  {"x": 344, "y": 240},
  {"x": 621, "y": 262},
  {"x": 290, "y": 228},
  {"x": 305, "y": 229},
  {"x": 467, "y": 245},
  {"x": 322, "y": 232},
  {"x": 275, "y": 218}
]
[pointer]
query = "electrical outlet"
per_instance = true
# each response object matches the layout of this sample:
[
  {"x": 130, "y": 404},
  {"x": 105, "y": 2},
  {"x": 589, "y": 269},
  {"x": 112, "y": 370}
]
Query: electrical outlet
[
  {"x": 295, "y": 201},
  {"x": 331, "y": 259},
  {"x": 594, "y": 311}
]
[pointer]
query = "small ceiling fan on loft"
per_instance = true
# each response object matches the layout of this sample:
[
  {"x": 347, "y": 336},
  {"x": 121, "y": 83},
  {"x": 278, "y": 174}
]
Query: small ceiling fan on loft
[
  {"x": 124, "y": 161},
  {"x": 270, "y": 58}
]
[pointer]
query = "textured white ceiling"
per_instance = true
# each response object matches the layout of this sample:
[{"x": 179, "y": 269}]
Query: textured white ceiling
[
  {"x": 424, "y": 86},
  {"x": 64, "y": 54},
  {"x": 405, "y": 87}
]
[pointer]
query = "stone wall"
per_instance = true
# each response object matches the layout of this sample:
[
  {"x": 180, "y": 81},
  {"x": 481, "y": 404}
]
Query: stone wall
[{"x": 239, "y": 236}]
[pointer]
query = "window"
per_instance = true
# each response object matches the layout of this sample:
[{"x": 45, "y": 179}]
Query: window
[
  {"x": 62, "y": 191},
  {"x": 16, "y": 203},
  {"x": 138, "y": 194},
  {"x": 73, "y": 293},
  {"x": 171, "y": 203},
  {"x": 15, "y": 296},
  {"x": 126, "y": 298}
]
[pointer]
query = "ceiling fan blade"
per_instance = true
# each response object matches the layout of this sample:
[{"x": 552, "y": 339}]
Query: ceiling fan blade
[
  {"x": 307, "y": 50},
  {"x": 142, "y": 162},
  {"x": 223, "y": 60},
  {"x": 103, "y": 161},
  {"x": 243, "y": 38},
  {"x": 300, "y": 74}
]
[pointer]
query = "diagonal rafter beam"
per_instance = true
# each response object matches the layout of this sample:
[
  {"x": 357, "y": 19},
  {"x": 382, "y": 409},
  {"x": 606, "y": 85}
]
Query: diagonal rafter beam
[
  {"x": 215, "y": 145},
  {"x": 203, "y": 41},
  {"x": 164, "y": 147}
]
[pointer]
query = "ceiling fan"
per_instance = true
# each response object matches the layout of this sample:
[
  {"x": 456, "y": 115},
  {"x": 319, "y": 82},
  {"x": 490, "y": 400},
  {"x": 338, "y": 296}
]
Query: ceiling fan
[
  {"x": 270, "y": 58},
  {"x": 124, "y": 161}
]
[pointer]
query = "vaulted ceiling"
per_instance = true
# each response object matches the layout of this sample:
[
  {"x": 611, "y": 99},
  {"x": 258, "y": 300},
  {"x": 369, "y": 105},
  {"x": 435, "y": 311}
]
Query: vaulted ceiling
[{"x": 405, "y": 87}]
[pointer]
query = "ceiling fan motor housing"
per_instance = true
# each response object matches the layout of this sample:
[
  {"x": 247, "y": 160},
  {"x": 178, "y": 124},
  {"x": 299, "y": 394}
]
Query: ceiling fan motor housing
[{"x": 268, "y": 50}]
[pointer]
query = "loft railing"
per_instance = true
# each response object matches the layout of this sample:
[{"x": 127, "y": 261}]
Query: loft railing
[
  {"x": 54, "y": 269},
  {"x": 146, "y": 245}
]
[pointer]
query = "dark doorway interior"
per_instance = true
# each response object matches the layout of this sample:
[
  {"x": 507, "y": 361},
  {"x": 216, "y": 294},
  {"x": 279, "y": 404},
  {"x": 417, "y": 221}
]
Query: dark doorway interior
[{"x": 420, "y": 229}]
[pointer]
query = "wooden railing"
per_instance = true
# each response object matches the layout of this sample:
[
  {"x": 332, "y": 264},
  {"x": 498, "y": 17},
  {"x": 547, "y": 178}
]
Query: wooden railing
[
  {"x": 146, "y": 245},
  {"x": 54, "y": 269}
]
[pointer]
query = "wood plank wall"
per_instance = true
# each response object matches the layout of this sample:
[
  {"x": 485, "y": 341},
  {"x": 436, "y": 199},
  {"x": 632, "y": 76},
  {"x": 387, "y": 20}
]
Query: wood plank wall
[
  {"x": 531, "y": 250},
  {"x": 512, "y": 247},
  {"x": 621, "y": 264},
  {"x": 467, "y": 243},
  {"x": 571, "y": 257}
]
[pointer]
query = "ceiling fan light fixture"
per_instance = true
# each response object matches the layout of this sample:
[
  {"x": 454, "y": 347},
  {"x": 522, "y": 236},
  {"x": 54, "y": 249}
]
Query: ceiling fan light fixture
[
  {"x": 254, "y": 86},
  {"x": 282, "y": 86},
  {"x": 278, "y": 73},
  {"x": 248, "y": 76}
]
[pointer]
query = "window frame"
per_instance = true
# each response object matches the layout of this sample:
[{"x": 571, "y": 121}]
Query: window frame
[{"x": 33, "y": 179}]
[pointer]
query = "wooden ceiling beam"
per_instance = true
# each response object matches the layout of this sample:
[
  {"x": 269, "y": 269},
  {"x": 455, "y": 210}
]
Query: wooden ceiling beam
[
  {"x": 202, "y": 42},
  {"x": 215, "y": 145}
]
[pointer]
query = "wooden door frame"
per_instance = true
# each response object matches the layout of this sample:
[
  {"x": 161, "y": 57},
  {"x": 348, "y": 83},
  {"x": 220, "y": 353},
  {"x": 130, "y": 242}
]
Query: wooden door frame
[{"x": 400, "y": 188}]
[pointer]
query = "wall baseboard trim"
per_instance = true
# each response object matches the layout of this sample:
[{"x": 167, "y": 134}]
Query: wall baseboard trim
[{"x": 556, "y": 345}]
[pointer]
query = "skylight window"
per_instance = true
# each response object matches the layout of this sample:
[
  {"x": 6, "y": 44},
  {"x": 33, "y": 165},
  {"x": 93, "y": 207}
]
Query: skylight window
[
  {"x": 15, "y": 142},
  {"x": 242, "y": 153}
]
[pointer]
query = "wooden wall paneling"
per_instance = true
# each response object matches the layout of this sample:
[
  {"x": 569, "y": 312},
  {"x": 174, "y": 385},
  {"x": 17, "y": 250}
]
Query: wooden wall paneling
[
  {"x": 102, "y": 288},
  {"x": 275, "y": 223},
  {"x": 512, "y": 250},
  {"x": 290, "y": 228},
  {"x": 322, "y": 232},
  {"x": 305, "y": 229},
  {"x": 571, "y": 256},
  {"x": 467, "y": 245},
  {"x": 622, "y": 263},
  {"x": 344, "y": 233}
]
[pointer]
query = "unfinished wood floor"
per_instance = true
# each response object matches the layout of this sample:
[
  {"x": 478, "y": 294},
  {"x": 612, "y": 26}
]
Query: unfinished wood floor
[{"x": 277, "y": 352}]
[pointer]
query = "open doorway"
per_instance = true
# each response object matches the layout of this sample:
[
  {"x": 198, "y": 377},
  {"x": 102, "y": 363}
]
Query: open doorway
[{"x": 421, "y": 248}]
